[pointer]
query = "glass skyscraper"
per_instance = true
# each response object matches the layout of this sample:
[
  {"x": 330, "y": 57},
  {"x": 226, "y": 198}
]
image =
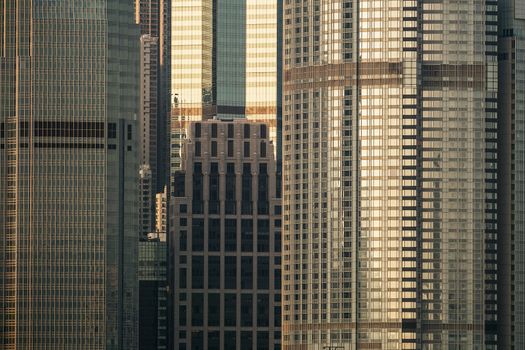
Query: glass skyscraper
[
  {"x": 224, "y": 63},
  {"x": 511, "y": 171},
  {"x": 389, "y": 174},
  {"x": 68, "y": 174}
]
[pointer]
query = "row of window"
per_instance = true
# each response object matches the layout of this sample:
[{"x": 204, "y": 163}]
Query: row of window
[{"x": 213, "y": 132}]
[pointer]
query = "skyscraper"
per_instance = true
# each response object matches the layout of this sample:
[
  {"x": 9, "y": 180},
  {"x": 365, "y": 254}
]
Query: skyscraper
[
  {"x": 68, "y": 175},
  {"x": 153, "y": 19},
  {"x": 511, "y": 171},
  {"x": 224, "y": 63},
  {"x": 225, "y": 235},
  {"x": 389, "y": 165}
]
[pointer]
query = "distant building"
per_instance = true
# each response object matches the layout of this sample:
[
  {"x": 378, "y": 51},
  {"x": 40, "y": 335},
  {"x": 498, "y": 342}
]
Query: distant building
[
  {"x": 161, "y": 208},
  {"x": 153, "y": 293},
  {"x": 225, "y": 63},
  {"x": 146, "y": 207},
  {"x": 511, "y": 175},
  {"x": 225, "y": 235},
  {"x": 68, "y": 175}
]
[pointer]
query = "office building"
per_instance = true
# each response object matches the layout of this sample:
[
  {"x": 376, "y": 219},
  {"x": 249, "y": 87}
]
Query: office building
[
  {"x": 153, "y": 18},
  {"x": 225, "y": 63},
  {"x": 153, "y": 292},
  {"x": 148, "y": 107},
  {"x": 68, "y": 175},
  {"x": 511, "y": 171},
  {"x": 389, "y": 174},
  {"x": 161, "y": 214},
  {"x": 225, "y": 235},
  {"x": 146, "y": 207}
]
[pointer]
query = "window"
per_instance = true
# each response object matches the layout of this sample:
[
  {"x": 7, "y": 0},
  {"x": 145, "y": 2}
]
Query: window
[
  {"x": 197, "y": 272},
  {"x": 230, "y": 341},
  {"x": 197, "y": 148},
  {"x": 183, "y": 241},
  {"x": 230, "y": 148},
  {"x": 246, "y": 340},
  {"x": 214, "y": 131},
  {"x": 263, "y": 307},
  {"x": 263, "y": 272},
  {"x": 263, "y": 149},
  {"x": 263, "y": 236},
  {"x": 197, "y": 309},
  {"x": 230, "y": 235},
  {"x": 246, "y": 272},
  {"x": 197, "y": 129},
  {"x": 246, "y": 131},
  {"x": 182, "y": 315},
  {"x": 230, "y": 310},
  {"x": 246, "y": 235},
  {"x": 246, "y": 310},
  {"x": 214, "y": 148},
  {"x": 263, "y": 340},
  {"x": 230, "y": 131},
  {"x": 214, "y": 310},
  {"x": 214, "y": 272},
  {"x": 230, "y": 272},
  {"x": 197, "y": 236},
  {"x": 247, "y": 149},
  {"x": 214, "y": 235},
  {"x": 263, "y": 131}
]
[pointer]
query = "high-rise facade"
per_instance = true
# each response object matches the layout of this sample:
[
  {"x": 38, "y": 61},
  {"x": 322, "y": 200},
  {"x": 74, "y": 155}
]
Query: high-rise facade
[
  {"x": 153, "y": 292},
  {"x": 511, "y": 171},
  {"x": 389, "y": 174},
  {"x": 225, "y": 235},
  {"x": 68, "y": 175},
  {"x": 225, "y": 63},
  {"x": 153, "y": 19}
]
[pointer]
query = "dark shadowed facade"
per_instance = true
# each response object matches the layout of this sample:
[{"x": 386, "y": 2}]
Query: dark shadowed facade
[{"x": 226, "y": 239}]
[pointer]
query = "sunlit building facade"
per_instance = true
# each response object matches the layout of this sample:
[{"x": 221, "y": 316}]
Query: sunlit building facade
[
  {"x": 224, "y": 63},
  {"x": 389, "y": 174},
  {"x": 68, "y": 175},
  {"x": 511, "y": 171}
]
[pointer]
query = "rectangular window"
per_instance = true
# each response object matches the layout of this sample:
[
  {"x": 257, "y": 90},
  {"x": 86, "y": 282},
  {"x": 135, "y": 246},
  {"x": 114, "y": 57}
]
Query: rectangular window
[
  {"x": 182, "y": 278},
  {"x": 246, "y": 131},
  {"x": 263, "y": 272},
  {"x": 263, "y": 149},
  {"x": 197, "y": 129},
  {"x": 230, "y": 310},
  {"x": 214, "y": 148},
  {"x": 247, "y": 149},
  {"x": 263, "y": 236},
  {"x": 246, "y": 272},
  {"x": 263, "y": 131},
  {"x": 230, "y": 131},
  {"x": 230, "y": 272},
  {"x": 230, "y": 341},
  {"x": 230, "y": 235},
  {"x": 214, "y": 131},
  {"x": 214, "y": 310},
  {"x": 197, "y": 148},
  {"x": 197, "y": 272},
  {"x": 214, "y": 272},
  {"x": 197, "y": 340},
  {"x": 263, "y": 310},
  {"x": 247, "y": 235},
  {"x": 246, "y": 340},
  {"x": 246, "y": 310},
  {"x": 214, "y": 235},
  {"x": 197, "y": 309},
  {"x": 230, "y": 148},
  {"x": 197, "y": 235},
  {"x": 263, "y": 341},
  {"x": 182, "y": 315},
  {"x": 183, "y": 241},
  {"x": 130, "y": 132}
]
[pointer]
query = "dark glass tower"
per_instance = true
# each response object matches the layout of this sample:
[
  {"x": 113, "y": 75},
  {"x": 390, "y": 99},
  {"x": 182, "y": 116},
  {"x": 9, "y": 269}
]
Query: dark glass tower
[
  {"x": 389, "y": 174},
  {"x": 511, "y": 175},
  {"x": 68, "y": 174}
]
